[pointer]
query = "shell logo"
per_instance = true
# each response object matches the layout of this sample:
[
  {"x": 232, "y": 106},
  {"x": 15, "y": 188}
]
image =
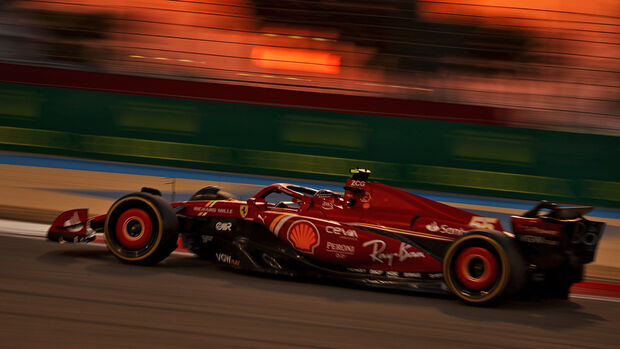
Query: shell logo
[{"x": 304, "y": 236}]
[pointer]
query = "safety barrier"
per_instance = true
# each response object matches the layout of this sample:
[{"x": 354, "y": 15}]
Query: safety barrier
[{"x": 311, "y": 142}]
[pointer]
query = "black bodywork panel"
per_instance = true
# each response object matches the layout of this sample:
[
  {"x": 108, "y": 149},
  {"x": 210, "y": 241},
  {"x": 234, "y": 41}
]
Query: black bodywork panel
[{"x": 246, "y": 245}]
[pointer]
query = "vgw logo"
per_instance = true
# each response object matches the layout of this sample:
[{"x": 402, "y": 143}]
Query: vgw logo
[{"x": 226, "y": 258}]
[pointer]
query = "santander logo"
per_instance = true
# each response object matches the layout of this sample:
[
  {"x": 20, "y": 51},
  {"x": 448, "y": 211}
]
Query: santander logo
[{"x": 434, "y": 227}]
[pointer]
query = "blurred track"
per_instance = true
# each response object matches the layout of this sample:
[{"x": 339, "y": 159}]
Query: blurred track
[
  {"x": 36, "y": 188},
  {"x": 81, "y": 296}
]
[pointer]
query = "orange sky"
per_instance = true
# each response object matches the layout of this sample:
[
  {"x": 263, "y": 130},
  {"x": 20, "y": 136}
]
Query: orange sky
[
  {"x": 602, "y": 10},
  {"x": 601, "y": 19}
]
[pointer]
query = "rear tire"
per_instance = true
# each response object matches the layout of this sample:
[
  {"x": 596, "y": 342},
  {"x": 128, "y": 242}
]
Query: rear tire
[
  {"x": 484, "y": 267},
  {"x": 141, "y": 228}
]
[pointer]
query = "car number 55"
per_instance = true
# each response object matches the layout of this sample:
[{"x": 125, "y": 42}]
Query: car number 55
[{"x": 483, "y": 222}]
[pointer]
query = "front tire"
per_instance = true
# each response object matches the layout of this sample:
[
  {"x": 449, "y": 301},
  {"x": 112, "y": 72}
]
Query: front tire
[
  {"x": 484, "y": 267},
  {"x": 141, "y": 228}
]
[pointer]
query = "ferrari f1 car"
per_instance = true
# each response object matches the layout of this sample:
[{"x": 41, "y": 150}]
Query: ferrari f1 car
[{"x": 371, "y": 234}]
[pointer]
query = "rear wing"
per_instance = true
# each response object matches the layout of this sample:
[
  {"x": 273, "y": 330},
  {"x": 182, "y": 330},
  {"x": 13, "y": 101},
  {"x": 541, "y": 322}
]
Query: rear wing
[
  {"x": 557, "y": 211},
  {"x": 560, "y": 230}
]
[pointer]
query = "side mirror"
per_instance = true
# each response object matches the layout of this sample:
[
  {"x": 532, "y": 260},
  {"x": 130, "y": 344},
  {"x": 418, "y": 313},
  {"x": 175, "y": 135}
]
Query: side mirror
[{"x": 252, "y": 202}]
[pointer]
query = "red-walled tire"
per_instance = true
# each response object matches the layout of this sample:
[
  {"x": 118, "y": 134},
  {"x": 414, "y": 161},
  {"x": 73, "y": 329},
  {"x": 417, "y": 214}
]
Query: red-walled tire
[
  {"x": 484, "y": 267},
  {"x": 141, "y": 228}
]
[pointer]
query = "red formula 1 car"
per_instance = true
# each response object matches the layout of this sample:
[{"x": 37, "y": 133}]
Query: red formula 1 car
[{"x": 371, "y": 234}]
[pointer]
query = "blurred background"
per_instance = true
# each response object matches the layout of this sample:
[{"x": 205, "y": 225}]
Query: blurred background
[
  {"x": 507, "y": 98},
  {"x": 466, "y": 102}
]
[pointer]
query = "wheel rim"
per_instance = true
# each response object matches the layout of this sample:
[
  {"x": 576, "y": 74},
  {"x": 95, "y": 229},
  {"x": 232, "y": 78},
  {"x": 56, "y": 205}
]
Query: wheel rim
[
  {"x": 476, "y": 268},
  {"x": 134, "y": 229}
]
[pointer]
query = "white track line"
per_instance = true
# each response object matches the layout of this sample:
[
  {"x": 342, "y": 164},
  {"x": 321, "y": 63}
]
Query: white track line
[
  {"x": 595, "y": 298},
  {"x": 39, "y": 231},
  {"x": 23, "y": 229}
]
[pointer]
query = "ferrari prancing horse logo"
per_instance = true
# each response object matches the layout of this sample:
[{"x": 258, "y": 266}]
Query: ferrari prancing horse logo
[{"x": 243, "y": 209}]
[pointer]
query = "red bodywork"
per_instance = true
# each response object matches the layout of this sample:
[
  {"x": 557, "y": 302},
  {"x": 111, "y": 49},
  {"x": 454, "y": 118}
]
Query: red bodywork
[
  {"x": 328, "y": 228},
  {"x": 371, "y": 233}
]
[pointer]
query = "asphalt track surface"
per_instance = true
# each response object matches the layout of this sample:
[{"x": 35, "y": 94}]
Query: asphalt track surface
[
  {"x": 68, "y": 296},
  {"x": 80, "y": 296},
  {"x": 37, "y": 188}
]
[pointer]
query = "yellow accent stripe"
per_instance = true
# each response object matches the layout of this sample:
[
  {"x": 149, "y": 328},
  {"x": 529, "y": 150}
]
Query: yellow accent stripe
[
  {"x": 310, "y": 164},
  {"x": 492, "y": 180},
  {"x": 272, "y": 226},
  {"x": 163, "y": 150}
]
